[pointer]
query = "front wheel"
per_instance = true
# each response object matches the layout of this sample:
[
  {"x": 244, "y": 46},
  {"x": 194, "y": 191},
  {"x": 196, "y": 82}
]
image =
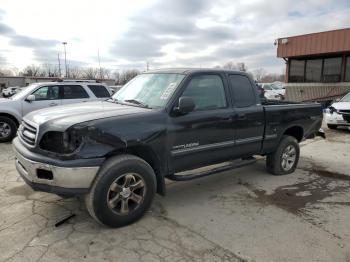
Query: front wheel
[
  {"x": 122, "y": 192},
  {"x": 8, "y": 129},
  {"x": 285, "y": 159}
]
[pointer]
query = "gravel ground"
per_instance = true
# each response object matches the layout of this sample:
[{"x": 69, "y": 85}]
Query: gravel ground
[{"x": 240, "y": 215}]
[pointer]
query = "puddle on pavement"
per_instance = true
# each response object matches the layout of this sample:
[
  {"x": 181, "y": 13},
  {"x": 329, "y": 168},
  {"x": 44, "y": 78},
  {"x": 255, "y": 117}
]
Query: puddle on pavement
[{"x": 296, "y": 197}]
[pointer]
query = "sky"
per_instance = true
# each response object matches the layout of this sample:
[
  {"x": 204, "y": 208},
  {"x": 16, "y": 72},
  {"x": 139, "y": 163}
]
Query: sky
[{"x": 165, "y": 33}]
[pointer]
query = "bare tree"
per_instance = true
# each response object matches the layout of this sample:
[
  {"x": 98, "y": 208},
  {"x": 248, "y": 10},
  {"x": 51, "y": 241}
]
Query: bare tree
[
  {"x": 116, "y": 76},
  {"x": 242, "y": 67},
  {"x": 90, "y": 73},
  {"x": 259, "y": 74},
  {"x": 50, "y": 70},
  {"x": 75, "y": 72},
  {"x": 5, "y": 72},
  {"x": 32, "y": 70},
  {"x": 105, "y": 73},
  {"x": 269, "y": 78},
  {"x": 127, "y": 75},
  {"x": 230, "y": 65}
]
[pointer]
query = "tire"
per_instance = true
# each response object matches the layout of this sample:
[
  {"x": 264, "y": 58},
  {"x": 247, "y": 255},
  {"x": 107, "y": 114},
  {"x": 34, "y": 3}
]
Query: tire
[
  {"x": 118, "y": 186},
  {"x": 8, "y": 129},
  {"x": 330, "y": 126},
  {"x": 285, "y": 159}
]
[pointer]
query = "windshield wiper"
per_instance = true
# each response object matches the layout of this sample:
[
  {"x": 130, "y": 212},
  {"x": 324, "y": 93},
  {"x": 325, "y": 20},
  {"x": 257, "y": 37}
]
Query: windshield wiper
[
  {"x": 113, "y": 100},
  {"x": 136, "y": 102}
]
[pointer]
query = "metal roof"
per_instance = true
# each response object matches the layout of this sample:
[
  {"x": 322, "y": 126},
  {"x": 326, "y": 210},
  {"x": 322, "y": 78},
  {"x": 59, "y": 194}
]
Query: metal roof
[{"x": 321, "y": 43}]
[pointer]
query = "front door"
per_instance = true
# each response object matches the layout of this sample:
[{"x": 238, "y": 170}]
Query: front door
[
  {"x": 205, "y": 135},
  {"x": 45, "y": 96}
]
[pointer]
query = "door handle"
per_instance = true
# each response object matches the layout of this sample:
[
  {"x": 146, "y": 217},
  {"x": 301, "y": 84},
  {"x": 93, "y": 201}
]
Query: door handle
[
  {"x": 53, "y": 104},
  {"x": 242, "y": 116},
  {"x": 226, "y": 118}
]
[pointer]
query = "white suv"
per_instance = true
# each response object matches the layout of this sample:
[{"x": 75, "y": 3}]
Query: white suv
[{"x": 41, "y": 95}]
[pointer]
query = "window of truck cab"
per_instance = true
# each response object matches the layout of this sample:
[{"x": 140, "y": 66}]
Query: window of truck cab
[
  {"x": 207, "y": 91},
  {"x": 243, "y": 93}
]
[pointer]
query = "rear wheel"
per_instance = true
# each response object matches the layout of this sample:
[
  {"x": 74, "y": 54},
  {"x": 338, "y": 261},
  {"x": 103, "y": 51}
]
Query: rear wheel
[
  {"x": 285, "y": 159},
  {"x": 8, "y": 129},
  {"x": 330, "y": 126},
  {"x": 122, "y": 192}
]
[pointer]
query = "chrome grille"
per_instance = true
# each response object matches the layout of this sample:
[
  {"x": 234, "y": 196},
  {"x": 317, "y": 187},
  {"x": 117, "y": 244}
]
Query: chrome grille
[{"x": 27, "y": 133}]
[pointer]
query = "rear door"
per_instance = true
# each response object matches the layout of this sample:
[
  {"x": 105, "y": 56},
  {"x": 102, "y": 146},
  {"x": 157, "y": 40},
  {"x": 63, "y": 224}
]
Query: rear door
[
  {"x": 73, "y": 94},
  {"x": 100, "y": 91},
  {"x": 45, "y": 96},
  {"x": 249, "y": 118}
]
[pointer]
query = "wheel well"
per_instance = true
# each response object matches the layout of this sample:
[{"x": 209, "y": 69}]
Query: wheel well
[
  {"x": 295, "y": 131},
  {"x": 11, "y": 117},
  {"x": 149, "y": 156}
]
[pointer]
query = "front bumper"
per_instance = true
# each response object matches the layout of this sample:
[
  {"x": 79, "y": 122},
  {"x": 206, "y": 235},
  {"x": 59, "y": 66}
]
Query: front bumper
[
  {"x": 336, "y": 119},
  {"x": 62, "y": 180}
]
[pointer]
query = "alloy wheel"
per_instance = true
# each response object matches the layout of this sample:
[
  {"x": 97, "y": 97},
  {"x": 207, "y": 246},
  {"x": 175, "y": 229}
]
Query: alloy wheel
[
  {"x": 126, "y": 193},
  {"x": 288, "y": 157},
  {"x": 5, "y": 129}
]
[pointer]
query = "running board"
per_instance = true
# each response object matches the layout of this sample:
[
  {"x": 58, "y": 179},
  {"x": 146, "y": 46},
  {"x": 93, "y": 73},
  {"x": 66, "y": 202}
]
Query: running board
[{"x": 213, "y": 169}]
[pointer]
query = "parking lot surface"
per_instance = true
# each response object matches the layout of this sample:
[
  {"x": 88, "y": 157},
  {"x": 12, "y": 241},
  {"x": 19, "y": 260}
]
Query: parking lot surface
[{"x": 240, "y": 215}]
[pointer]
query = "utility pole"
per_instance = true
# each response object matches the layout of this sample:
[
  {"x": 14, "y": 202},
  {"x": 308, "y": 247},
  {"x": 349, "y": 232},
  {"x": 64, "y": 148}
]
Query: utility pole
[
  {"x": 99, "y": 62},
  {"x": 65, "y": 58},
  {"x": 59, "y": 65}
]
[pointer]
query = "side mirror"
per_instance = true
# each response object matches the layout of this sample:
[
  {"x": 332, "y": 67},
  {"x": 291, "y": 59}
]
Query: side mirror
[
  {"x": 338, "y": 99},
  {"x": 186, "y": 105},
  {"x": 30, "y": 98}
]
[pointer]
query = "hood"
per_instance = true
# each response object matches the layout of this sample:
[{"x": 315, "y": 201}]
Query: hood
[
  {"x": 4, "y": 100},
  {"x": 67, "y": 115},
  {"x": 341, "y": 105}
]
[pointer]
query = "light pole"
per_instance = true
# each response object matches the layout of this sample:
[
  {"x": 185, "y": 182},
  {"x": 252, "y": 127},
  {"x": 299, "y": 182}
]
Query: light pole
[{"x": 65, "y": 58}]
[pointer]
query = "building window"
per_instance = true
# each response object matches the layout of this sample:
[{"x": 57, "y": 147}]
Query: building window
[
  {"x": 332, "y": 69},
  {"x": 296, "y": 70},
  {"x": 347, "y": 69},
  {"x": 313, "y": 70}
]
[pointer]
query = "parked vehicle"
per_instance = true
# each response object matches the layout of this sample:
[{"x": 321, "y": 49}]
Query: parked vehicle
[
  {"x": 43, "y": 95},
  {"x": 10, "y": 91},
  {"x": 115, "y": 89},
  {"x": 118, "y": 152},
  {"x": 273, "y": 92},
  {"x": 338, "y": 114}
]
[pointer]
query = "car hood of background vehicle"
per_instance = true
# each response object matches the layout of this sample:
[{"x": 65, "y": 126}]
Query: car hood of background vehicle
[
  {"x": 341, "y": 105},
  {"x": 68, "y": 115},
  {"x": 4, "y": 100}
]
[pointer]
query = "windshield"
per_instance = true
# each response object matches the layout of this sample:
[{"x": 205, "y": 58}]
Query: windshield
[
  {"x": 149, "y": 90},
  {"x": 24, "y": 92},
  {"x": 275, "y": 87},
  {"x": 346, "y": 98}
]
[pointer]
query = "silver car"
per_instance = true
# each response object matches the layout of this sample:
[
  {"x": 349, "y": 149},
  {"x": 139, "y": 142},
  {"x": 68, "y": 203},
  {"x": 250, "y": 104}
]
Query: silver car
[{"x": 41, "y": 95}]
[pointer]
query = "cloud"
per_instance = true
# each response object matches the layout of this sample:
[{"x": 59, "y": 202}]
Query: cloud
[
  {"x": 42, "y": 48},
  {"x": 168, "y": 22},
  {"x": 169, "y": 33},
  {"x": 213, "y": 32},
  {"x": 25, "y": 41}
]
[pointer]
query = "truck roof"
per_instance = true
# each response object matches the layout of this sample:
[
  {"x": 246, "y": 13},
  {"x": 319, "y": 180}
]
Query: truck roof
[{"x": 186, "y": 71}]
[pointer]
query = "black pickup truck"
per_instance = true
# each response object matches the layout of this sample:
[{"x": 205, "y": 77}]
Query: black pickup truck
[{"x": 118, "y": 152}]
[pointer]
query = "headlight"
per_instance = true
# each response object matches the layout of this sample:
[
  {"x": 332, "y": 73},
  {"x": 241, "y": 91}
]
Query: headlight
[
  {"x": 61, "y": 142},
  {"x": 331, "y": 110}
]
